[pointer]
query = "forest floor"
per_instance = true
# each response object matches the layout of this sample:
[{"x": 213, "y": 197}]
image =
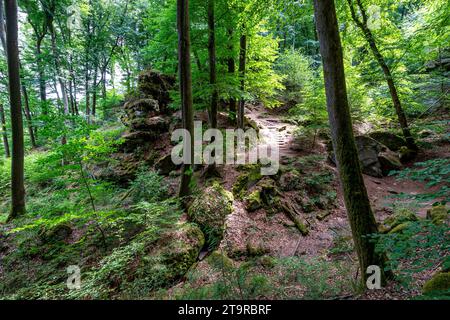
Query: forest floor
[{"x": 329, "y": 238}]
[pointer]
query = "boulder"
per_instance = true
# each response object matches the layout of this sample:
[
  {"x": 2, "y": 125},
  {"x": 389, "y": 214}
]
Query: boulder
[
  {"x": 219, "y": 260},
  {"x": 389, "y": 161},
  {"x": 253, "y": 201},
  {"x": 368, "y": 150},
  {"x": 390, "y": 140},
  {"x": 438, "y": 214},
  {"x": 376, "y": 159},
  {"x": 209, "y": 210},
  {"x": 247, "y": 180},
  {"x": 59, "y": 232},
  {"x": 400, "y": 218},
  {"x": 438, "y": 284},
  {"x": 164, "y": 166}
]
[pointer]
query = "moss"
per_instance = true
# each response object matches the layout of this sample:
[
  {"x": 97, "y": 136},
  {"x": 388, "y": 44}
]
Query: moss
[
  {"x": 401, "y": 217},
  {"x": 399, "y": 228},
  {"x": 219, "y": 260},
  {"x": 247, "y": 180},
  {"x": 56, "y": 233},
  {"x": 182, "y": 252},
  {"x": 253, "y": 201},
  {"x": 440, "y": 282},
  {"x": 438, "y": 214},
  {"x": 209, "y": 211},
  {"x": 267, "y": 262}
]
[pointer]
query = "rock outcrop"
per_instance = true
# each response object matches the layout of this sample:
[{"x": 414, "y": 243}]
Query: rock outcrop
[
  {"x": 148, "y": 120},
  {"x": 376, "y": 159}
]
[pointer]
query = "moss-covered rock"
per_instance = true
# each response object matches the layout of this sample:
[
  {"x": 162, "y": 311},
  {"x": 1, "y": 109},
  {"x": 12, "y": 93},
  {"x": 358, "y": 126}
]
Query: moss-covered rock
[
  {"x": 219, "y": 260},
  {"x": 400, "y": 217},
  {"x": 59, "y": 232},
  {"x": 399, "y": 228},
  {"x": 253, "y": 201},
  {"x": 209, "y": 211},
  {"x": 438, "y": 214},
  {"x": 389, "y": 161},
  {"x": 390, "y": 140},
  {"x": 182, "y": 249},
  {"x": 439, "y": 283},
  {"x": 246, "y": 181}
]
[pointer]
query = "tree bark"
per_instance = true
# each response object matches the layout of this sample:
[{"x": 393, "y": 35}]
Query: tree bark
[
  {"x": 184, "y": 61},
  {"x": 362, "y": 24},
  {"x": 212, "y": 65},
  {"x": 4, "y": 133},
  {"x": 242, "y": 66},
  {"x": 27, "y": 112},
  {"x": 359, "y": 212},
  {"x": 17, "y": 163},
  {"x": 231, "y": 69}
]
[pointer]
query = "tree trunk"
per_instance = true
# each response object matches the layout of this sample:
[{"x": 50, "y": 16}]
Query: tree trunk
[
  {"x": 242, "y": 63},
  {"x": 94, "y": 90},
  {"x": 212, "y": 65},
  {"x": 27, "y": 112},
  {"x": 42, "y": 88},
  {"x": 362, "y": 24},
  {"x": 231, "y": 69},
  {"x": 184, "y": 61},
  {"x": 17, "y": 163},
  {"x": 4, "y": 133},
  {"x": 359, "y": 212}
]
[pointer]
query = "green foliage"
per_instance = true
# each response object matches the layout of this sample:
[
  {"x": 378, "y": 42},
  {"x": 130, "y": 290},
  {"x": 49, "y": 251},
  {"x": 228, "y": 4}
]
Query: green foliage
[
  {"x": 284, "y": 278},
  {"x": 420, "y": 246},
  {"x": 148, "y": 186},
  {"x": 435, "y": 172}
]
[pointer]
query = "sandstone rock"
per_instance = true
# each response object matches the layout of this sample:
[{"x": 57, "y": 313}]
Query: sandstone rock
[
  {"x": 209, "y": 211},
  {"x": 390, "y": 140},
  {"x": 376, "y": 159},
  {"x": 389, "y": 161},
  {"x": 156, "y": 85}
]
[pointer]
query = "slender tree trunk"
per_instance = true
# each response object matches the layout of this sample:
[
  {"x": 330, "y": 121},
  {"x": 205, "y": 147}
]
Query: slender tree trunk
[
  {"x": 2, "y": 110},
  {"x": 359, "y": 212},
  {"x": 4, "y": 133},
  {"x": 27, "y": 112},
  {"x": 197, "y": 61},
  {"x": 94, "y": 91},
  {"x": 184, "y": 61},
  {"x": 231, "y": 69},
  {"x": 212, "y": 65},
  {"x": 17, "y": 163},
  {"x": 86, "y": 89},
  {"x": 362, "y": 24},
  {"x": 242, "y": 66},
  {"x": 42, "y": 87},
  {"x": 61, "y": 81}
]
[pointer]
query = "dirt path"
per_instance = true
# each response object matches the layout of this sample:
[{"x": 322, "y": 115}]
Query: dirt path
[{"x": 276, "y": 234}]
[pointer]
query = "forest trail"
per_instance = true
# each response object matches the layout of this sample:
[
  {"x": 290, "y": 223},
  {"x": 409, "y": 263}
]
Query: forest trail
[
  {"x": 275, "y": 233},
  {"x": 266, "y": 119}
]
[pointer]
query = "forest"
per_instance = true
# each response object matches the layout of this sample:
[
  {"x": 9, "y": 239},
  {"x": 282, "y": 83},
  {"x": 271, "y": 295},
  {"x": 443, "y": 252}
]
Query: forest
[{"x": 224, "y": 149}]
